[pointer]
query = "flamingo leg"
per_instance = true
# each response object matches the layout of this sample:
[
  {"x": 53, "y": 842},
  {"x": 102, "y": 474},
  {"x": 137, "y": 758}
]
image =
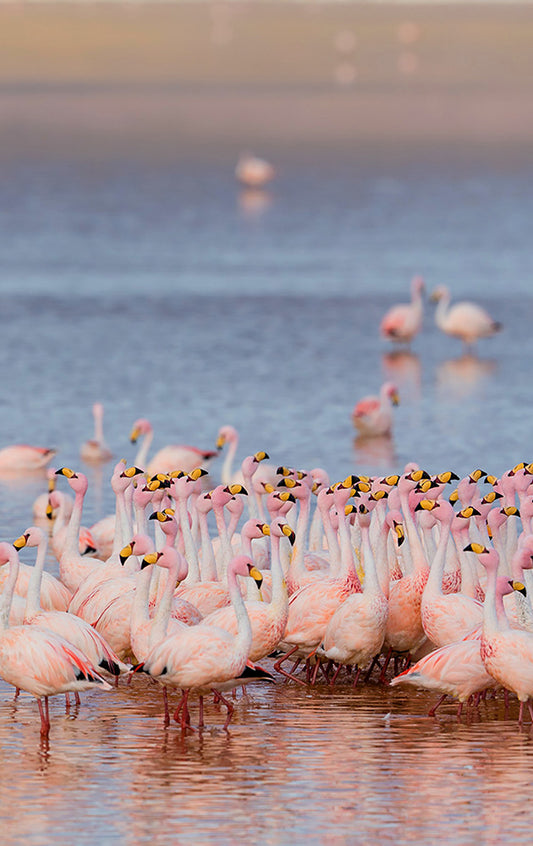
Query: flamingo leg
[
  {"x": 383, "y": 676},
  {"x": 530, "y": 707},
  {"x": 356, "y": 679},
  {"x": 315, "y": 671},
  {"x": 45, "y": 718},
  {"x": 166, "y": 719},
  {"x": 17, "y": 693},
  {"x": 520, "y": 713},
  {"x": 201, "y": 712},
  {"x": 77, "y": 699},
  {"x": 230, "y": 709},
  {"x": 335, "y": 675},
  {"x": 375, "y": 661},
  {"x": 431, "y": 712},
  {"x": 279, "y": 668}
]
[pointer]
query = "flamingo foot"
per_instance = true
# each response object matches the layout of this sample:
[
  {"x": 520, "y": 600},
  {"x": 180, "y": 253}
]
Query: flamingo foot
[{"x": 431, "y": 712}]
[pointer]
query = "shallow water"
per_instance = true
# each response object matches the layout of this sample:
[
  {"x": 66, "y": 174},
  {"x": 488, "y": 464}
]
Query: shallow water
[{"x": 163, "y": 292}]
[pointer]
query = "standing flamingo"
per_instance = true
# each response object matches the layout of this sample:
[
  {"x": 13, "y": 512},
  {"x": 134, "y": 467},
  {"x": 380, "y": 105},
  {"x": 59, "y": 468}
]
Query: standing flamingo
[
  {"x": 171, "y": 457},
  {"x": 96, "y": 450},
  {"x": 403, "y": 321},
  {"x": 507, "y": 653},
  {"x": 372, "y": 415},
  {"x": 465, "y": 320},
  {"x": 204, "y": 657},
  {"x": 35, "y": 659}
]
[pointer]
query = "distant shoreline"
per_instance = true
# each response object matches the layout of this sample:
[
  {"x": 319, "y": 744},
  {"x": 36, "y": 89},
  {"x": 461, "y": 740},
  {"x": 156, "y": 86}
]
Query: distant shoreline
[{"x": 85, "y": 79}]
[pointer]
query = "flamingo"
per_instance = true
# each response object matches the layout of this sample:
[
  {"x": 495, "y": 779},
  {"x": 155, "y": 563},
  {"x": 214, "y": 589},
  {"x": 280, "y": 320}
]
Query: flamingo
[
  {"x": 267, "y": 619},
  {"x": 465, "y": 320},
  {"x": 253, "y": 171},
  {"x": 403, "y": 321},
  {"x": 168, "y": 458},
  {"x": 35, "y": 659},
  {"x": 207, "y": 657},
  {"x": 506, "y": 652},
  {"x": 355, "y": 632},
  {"x": 40, "y": 504},
  {"x": 372, "y": 415},
  {"x": 96, "y": 450},
  {"x": 23, "y": 458},
  {"x": 254, "y": 473},
  {"x": 72, "y": 628}
]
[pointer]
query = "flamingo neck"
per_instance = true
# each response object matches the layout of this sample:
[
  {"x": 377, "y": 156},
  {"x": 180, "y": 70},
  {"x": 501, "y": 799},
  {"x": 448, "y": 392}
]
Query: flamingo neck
[
  {"x": 226, "y": 473},
  {"x": 72, "y": 536},
  {"x": 280, "y": 595},
  {"x": 208, "y": 566},
  {"x": 33, "y": 595},
  {"x": 494, "y": 617},
  {"x": 144, "y": 447},
  {"x": 243, "y": 638},
  {"x": 191, "y": 553},
  {"x": 434, "y": 582},
  {"x": 416, "y": 550},
  {"x": 162, "y": 615},
  {"x": 6, "y": 598},
  {"x": 372, "y": 584}
]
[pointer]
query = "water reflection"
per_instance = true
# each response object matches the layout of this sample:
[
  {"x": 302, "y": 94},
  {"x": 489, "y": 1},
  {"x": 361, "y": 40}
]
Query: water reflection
[
  {"x": 460, "y": 377},
  {"x": 404, "y": 368},
  {"x": 378, "y": 451},
  {"x": 297, "y": 763},
  {"x": 254, "y": 201}
]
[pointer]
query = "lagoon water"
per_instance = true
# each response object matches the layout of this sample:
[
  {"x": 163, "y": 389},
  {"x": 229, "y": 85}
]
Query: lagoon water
[{"x": 163, "y": 291}]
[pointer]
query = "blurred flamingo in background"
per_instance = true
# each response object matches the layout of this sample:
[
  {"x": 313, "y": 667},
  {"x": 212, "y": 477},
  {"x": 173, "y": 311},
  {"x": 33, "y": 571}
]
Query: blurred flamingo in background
[
  {"x": 465, "y": 320},
  {"x": 253, "y": 171},
  {"x": 403, "y": 321},
  {"x": 372, "y": 415},
  {"x": 23, "y": 458},
  {"x": 96, "y": 450}
]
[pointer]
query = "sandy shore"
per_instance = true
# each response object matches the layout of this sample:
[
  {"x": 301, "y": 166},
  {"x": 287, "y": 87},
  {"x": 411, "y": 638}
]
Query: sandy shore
[{"x": 182, "y": 78}]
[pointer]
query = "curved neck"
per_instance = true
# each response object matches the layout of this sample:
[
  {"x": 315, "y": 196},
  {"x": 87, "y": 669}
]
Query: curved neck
[
  {"x": 73, "y": 529},
  {"x": 243, "y": 639},
  {"x": 227, "y": 466},
  {"x": 142, "y": 452}
]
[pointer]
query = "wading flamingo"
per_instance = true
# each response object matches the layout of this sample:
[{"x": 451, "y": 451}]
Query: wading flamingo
[
  {"x": 372, "y": 415},
  {"x": 96, "y": 450},
  {"x": 253, "y": 171},
  {"x": 403, "y": 321},
  {"x": 206, "y": 657},
  {"x": 465, "y": 320},
  {"x": 22, "y": 458},
  {"x": 172, "y": 457},
  {"x": 37, "y": 660}
]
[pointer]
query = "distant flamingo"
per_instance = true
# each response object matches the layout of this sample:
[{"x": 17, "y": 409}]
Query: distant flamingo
[
  {"x": 37, "y": 660},
  {"x": 96, "y": 450},
  {"x": 372, "y": 415},
  {"x": 172, "y": 457},
  {"x": 465, "y": 320},
  {"x": 22, "y": 458},
  {"x": 402, "y": 322},
  {"x": 253, "y": 171}
]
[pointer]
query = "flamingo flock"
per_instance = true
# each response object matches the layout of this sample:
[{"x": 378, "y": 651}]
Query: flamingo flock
[{"x": 390, "y": 580}]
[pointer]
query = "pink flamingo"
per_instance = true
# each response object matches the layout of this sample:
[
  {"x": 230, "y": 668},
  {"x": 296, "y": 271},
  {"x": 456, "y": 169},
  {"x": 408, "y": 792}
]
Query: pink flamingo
[
  {"x": 205, "y": 657},
  {"x": 355, "y": 632},
  {"x": 372, "y": 415},
  {"x": 22, "y": 458},
  {"x": 253, "y": 172},
  {"x": 72, "y": 628},
  {"x": 96, "y": 450},
  {"x": 465, "y": 320},
  {"x": 37, "y": 660},
  {"x": 171, "y": 457},
  {"x": 507, "y": 653},
  {"x": 267, "y": 619},
  {"x": 402, "y": 322},
  {"x": 446, "y": 617}
]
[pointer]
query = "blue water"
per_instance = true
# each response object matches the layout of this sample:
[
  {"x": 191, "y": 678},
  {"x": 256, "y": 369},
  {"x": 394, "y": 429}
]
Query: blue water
[{"x": 162, "y": 291}]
